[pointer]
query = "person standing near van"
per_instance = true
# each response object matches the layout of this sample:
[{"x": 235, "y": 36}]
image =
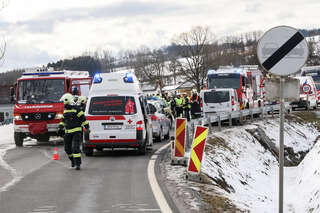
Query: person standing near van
[
  {"x": 71, "y": 125},
  {"x": 195, "y": 104}
]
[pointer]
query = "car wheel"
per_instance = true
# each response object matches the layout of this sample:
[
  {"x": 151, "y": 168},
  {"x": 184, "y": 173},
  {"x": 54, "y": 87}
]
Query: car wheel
[
  {"x": 43, "y": 138},
  {"x": 167, "y": 136},
  {"x": 142, "y": 149},
  {"x": 87, "y": 151},
  {"x": 18, "y": 138},
  {"x": 159, "y": 138}
]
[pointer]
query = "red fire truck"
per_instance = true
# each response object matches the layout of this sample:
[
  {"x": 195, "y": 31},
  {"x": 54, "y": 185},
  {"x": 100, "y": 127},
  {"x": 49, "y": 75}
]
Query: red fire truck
[
  {"x": 37, "y": 110},
  {"x": 247, "y": 80}
]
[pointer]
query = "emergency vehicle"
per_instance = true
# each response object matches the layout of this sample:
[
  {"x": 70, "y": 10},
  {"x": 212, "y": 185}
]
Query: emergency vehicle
[
  {"x": 219, "y": 100},
  {"x": 308, "y": 99},
  {"x": 314, "y": 72},
  {"x": 247, "y": 80},
  {"x": 117, "y": 114},
  {"x": 37, "y": 110}
]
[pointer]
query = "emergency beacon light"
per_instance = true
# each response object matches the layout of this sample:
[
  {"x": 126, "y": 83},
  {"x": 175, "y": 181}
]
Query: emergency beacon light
[{"x": 97, "y": 78}]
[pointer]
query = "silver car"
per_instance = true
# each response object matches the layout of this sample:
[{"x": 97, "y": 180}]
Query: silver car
[{"x": 160, "y": 122}]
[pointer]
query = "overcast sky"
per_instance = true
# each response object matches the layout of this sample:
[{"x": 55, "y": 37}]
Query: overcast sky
[{"x": 42, "y": 31}]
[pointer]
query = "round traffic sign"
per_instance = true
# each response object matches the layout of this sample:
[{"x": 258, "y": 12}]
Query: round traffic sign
[
  {"x": 282, "y": 50},
  {"x": 306, "y": 88}
]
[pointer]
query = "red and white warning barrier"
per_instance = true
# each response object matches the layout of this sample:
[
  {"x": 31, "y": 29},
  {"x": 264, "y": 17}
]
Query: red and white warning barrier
[
  {"x": 198, "y": 146},
  {"x": 180, "y": 142}
]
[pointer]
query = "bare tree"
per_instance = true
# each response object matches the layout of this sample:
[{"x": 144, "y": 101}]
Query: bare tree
[
  {"x": 195, "y": 49},
  {"x": 150, "y": 66},
  {"x": 106, "y": 59}
]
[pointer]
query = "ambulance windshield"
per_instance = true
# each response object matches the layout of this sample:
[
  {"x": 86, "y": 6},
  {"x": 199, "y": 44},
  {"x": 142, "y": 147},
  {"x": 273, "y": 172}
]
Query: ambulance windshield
[
  {"x": 112, "y": 105},
  {"x": 40, "y": 91}
]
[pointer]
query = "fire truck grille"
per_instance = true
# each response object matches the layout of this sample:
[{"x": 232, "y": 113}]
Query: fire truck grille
[{"x": 43, "y": 116}]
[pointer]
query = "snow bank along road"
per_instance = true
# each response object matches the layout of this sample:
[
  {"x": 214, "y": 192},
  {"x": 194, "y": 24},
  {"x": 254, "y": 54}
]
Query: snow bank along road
[
  {"x": 108, "y": 182},
  {"x": 241, "y": 166}
]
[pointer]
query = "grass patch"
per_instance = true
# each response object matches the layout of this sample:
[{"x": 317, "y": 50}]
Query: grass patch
[
  {"x": 218, "y": 142},
  {"x": 218, "y": 203},
  {"x": 303, "y": 117}
]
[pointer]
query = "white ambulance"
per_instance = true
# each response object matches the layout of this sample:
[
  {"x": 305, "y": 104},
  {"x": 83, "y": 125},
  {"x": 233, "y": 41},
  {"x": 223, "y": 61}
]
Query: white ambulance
[
  {"x": 117, "y": 115},
  {"x": 308, "y": 94}
]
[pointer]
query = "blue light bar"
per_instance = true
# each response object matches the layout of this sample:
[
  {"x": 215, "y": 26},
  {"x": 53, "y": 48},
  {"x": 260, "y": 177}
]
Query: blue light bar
[
  {"x": 238, "y": 70},
  {"x": 128, "y": 78},
  {"x": 210, "y": 72},
  {"x": 44, "y": 73},
  {"x": 97, "y": 78}
]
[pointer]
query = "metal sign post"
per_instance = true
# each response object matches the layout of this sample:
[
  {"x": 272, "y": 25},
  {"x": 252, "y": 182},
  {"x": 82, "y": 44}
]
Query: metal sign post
[
  {"x": 281, "y": 146},
  {"x": 282, "y": 51}
]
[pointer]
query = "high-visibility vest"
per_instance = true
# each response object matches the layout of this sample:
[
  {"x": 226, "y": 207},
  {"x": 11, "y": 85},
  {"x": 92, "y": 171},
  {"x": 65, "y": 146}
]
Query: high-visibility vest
[
  {"x": 179, "y": 102},
  {"x": 188, "y": 103}
]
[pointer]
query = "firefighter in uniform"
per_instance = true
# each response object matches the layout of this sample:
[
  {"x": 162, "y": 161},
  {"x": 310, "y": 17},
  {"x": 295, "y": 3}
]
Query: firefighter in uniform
[
  {"x": 71, "y": 127},
  {"x": 82, "y": 101}
]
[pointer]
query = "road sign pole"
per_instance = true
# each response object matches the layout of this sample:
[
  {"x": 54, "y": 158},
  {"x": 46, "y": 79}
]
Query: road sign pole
[
  {"x": 281, "y": 147},
  {"x": 308, "y": 102}
]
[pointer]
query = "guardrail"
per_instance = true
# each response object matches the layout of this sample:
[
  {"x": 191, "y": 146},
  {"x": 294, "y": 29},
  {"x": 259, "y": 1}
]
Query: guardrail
[{"x": 209, "y": 118}]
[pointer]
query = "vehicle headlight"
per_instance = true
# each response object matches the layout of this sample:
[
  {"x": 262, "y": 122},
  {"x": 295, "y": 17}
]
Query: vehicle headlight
[
  {"x": 59, "y": 116},
  {"x": 17, "y": 117}
]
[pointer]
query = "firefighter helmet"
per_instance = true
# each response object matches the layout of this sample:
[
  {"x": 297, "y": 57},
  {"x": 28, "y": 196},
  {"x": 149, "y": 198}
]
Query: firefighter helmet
[
  {"x": 82, "y": 99},
  {"x": 67, "y": 98}
]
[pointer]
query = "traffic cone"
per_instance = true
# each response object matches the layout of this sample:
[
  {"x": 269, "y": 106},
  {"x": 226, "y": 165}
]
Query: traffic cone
[{"x": 55, "y": 153}]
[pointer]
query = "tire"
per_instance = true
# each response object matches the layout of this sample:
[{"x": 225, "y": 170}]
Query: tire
[
  {"x": 43, "y": 138},
  {"x": 159, "y": 138},
  {"x": 142, "y": 149},
  {"x": 18, "y": 138},
  {"x": 87, "y": 151},
  {"x": 167, "y": 136}
]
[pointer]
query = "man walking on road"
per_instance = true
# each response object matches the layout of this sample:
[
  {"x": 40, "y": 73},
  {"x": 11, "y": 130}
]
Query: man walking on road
[{"x": 71, "y": 128}]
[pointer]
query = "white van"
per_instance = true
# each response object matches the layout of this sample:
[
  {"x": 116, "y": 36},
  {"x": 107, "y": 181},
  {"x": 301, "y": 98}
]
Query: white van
[
  {"x": 306, "y": 100},
  {"x": 219, "y": 100},
  {"x": 117, "y": 115}
]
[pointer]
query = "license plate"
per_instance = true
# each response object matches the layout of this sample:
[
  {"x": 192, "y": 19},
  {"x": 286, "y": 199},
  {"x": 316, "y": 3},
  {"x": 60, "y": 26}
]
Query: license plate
[{"x": 112, "y": 127}]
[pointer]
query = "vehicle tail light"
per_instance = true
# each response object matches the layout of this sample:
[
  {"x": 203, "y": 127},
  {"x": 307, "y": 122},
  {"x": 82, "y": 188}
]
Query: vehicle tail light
[
  {"x": 154, "y": 118},
  {"x": 17, "y": 117},
  {"x": 139, "y": 125},
  {"x": 232, "y": 100}
]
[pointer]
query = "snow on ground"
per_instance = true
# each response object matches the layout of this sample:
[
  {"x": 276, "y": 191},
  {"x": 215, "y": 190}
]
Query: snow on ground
[
  {"x": 6, "y": 138},
  {"x": 304, "y": 183},
  {"x": 247, "y": 174}
]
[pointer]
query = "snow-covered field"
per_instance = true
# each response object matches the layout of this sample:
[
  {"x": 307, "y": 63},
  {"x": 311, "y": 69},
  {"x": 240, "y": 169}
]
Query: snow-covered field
[{"x": 245, "y": 173}]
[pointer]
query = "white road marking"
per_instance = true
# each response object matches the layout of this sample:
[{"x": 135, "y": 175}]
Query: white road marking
[
  {"x": 14, "y": 173},
  {"x": 161, "y": 200}
]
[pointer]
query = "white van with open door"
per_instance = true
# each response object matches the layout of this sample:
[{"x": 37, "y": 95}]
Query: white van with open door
[
  {"x": 117, "y": 114},
  {"x": 219, "y": 100}
]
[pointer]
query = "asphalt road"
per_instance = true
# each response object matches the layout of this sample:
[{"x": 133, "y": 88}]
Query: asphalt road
[{"x": 110, "y": 181}]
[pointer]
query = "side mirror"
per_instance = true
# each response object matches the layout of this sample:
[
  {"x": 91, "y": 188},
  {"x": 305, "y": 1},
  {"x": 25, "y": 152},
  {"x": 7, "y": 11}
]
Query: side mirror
[{"x": 12, "y": 94}]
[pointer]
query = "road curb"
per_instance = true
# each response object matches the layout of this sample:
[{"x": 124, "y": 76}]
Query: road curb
[{"x": 157, "y": 182}]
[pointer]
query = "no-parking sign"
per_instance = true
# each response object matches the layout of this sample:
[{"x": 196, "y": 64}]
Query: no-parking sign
[{"x": 306, "y": 88}]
